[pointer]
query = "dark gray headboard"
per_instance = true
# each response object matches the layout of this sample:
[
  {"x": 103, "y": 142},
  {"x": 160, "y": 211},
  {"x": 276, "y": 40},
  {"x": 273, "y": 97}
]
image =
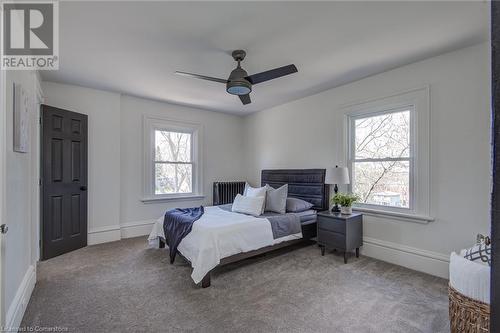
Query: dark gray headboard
[{"x": 305, "y": 184}]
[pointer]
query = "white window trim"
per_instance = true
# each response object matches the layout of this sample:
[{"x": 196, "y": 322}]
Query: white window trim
[
  {"x": 150, "y": 124},
  {"x": 419, "y": 101}
]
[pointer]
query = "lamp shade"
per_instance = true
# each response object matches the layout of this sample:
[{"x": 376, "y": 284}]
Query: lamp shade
[{"x": 337, "y": 175}]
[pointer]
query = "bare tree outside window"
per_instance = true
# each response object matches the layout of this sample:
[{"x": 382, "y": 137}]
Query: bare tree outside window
[
  {"x": 381, "y": 159},
  {"x": 173, "y": 165}
]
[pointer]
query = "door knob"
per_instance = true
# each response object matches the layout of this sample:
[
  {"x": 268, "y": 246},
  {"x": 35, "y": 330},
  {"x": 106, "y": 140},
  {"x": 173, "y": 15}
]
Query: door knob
[
  {"x": 83, "y": 188},
  {"x": 4, "y": 228}
]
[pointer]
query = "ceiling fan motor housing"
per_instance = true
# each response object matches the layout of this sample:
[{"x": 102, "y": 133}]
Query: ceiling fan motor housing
[{"x": 237, "y": 84}]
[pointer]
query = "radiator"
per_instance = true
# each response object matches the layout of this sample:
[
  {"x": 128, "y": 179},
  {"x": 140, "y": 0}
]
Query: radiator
[{"x": 225, "y": 192}]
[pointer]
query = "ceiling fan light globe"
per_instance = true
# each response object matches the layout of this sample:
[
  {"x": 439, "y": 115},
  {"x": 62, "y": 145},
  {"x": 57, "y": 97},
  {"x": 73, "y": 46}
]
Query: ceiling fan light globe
[{"x": 239, "y": 87}]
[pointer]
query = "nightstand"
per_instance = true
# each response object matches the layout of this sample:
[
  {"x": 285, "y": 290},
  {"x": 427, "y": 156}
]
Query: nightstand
[{"x": 339, "y": 231}]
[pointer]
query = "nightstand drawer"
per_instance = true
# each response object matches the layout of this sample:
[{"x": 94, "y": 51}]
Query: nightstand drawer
[
  {"x": 331, "y": 224},
  {"x": 331, "y": 239}
]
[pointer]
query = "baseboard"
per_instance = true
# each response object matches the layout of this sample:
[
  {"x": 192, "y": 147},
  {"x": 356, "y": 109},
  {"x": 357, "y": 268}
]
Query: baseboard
[
  {"x": 429, "y": 262},
  {"x": 136, "y": 229},
  {"x": 18, "y": 306},
  {"x": 104, "y": 235},
  {"x": 114, "y": 233}
]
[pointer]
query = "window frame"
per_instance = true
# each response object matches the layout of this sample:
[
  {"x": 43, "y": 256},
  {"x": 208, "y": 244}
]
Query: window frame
[
  {"x": 411, "y": 156},
  {"x": 153, "y": 124},
  {"x": 419, "y": 100}
]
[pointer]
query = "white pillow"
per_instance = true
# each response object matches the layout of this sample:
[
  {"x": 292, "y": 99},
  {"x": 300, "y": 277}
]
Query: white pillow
[
  {"x": 256, "y": 192},
  {"x": 248, "y": 205}
]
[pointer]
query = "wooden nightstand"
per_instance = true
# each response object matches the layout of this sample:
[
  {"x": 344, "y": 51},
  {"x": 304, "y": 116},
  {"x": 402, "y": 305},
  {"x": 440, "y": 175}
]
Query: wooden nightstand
[{"x": 339, "y": 231}]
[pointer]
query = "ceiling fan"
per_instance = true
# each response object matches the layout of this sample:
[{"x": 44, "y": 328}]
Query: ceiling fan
[{"x": 239, "y": 82}]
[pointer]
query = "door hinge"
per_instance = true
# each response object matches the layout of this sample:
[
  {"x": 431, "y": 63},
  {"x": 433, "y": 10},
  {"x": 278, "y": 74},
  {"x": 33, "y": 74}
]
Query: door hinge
[
  {"x": 39, "y": 181},
  {"x": 40, "y": 120}
]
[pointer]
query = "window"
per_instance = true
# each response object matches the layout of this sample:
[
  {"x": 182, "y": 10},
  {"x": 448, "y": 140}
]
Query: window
[
  {"x": 173, "y": 165},
  {"x": 381, "y": 158},
  {"x": 387, "y": 143},
  {"x": 172, "y": 168}
]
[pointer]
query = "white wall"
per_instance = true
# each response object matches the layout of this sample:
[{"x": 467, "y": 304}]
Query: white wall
[
  {"x": 222, "y": 154},
  {"x": 303, "y": 134},
  {"x": 20, "y": 241},
  {"x": 103, "y": 110},
  {"x": 308, "y": 133},
  {"x": 116, "y": 156}
]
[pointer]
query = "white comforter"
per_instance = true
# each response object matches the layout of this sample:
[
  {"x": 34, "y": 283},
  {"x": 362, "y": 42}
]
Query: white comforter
[{"x": 219, "y": 234}]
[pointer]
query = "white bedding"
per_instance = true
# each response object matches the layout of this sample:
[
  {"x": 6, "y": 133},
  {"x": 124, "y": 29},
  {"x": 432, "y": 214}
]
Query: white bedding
[{"x": 219, "y": 234}]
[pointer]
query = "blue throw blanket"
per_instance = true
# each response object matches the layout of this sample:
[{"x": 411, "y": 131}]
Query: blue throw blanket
[{"x": 177, "y": 224}]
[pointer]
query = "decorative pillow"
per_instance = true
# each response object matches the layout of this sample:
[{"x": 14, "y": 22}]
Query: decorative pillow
[
  {"x": 479, "y": 252},
  {"x": 276, "y": 199},
  {"x": 248, "y": 205},
  {"x": 294, "y": 205},
  {"x": 255, "y": 192}
]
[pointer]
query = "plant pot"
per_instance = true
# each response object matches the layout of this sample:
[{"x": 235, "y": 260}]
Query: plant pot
[{"x": 346, "y": 210}]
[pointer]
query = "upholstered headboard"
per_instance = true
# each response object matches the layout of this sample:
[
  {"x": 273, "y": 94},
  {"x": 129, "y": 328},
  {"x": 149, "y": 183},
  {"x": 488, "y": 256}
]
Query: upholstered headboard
[{"x": 305, "y": 184}]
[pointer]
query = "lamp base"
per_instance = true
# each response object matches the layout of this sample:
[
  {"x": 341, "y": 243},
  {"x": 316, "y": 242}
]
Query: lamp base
[{"x": 336, "y": 209}]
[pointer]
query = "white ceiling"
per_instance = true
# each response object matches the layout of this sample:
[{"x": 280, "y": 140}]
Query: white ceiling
[{"x": 135, "y": 47}]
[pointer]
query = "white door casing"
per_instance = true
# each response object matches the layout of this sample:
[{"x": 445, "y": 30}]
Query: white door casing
[
  {"x": 35, "y": 168},
  {"x": 3, "y": 139}
]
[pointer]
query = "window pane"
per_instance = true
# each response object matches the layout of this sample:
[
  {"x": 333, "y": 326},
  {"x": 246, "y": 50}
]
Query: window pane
[
  {"x": 172, "y": 146},
  {"x": 383, "y": 136},
  {"x": 383, "y": 183},
  {"x": 173, "y": 178}
]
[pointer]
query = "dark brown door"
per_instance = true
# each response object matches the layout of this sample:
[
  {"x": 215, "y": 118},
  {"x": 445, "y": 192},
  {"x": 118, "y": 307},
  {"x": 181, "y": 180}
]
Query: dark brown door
[{"x": 64, "y": 181}]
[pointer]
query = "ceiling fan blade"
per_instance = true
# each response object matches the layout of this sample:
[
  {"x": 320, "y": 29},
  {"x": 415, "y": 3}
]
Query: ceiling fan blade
[
  {"x": 203, "y": 77},
  {"x": 245, "y": 99},
  {"x": 272, "y": 74}
]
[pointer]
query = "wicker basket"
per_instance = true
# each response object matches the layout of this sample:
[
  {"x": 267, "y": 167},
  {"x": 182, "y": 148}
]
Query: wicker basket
[{"x": 467, "y": 315}]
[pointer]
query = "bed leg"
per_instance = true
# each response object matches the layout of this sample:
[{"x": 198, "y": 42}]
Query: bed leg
[
  {"x": 205, "y": 283},
  {"x": 162, "y": 244}
]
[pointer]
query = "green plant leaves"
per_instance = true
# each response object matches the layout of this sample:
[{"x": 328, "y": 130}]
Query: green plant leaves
[{"x": 345, "y": 199}]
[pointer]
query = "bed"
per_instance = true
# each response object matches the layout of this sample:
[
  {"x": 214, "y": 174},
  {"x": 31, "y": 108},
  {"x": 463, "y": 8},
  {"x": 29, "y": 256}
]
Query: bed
[{"x": 221, "y": 237}]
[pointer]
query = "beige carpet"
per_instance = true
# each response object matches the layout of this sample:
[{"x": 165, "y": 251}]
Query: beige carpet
[{"x": 126, "y": 287}]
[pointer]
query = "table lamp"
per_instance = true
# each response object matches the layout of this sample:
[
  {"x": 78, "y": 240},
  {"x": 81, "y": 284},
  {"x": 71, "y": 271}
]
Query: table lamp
[{"x": 336, "y": 176}]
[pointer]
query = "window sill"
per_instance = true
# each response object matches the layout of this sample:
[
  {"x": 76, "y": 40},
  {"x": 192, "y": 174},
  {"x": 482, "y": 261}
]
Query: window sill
[
  {"x": 190, "y": 197},
  {"x": 423, "y": 219}
]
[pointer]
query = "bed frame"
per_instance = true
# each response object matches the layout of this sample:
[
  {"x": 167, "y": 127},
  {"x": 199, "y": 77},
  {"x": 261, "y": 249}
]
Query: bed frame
[{"x": 305, "y": 184}]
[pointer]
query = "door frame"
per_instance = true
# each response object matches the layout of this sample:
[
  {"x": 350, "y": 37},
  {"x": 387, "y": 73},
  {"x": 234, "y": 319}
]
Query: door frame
[
  {"x": 35, "y": 163},
  {"x": 3, "y": 146},
  {"x": 495, "y": 153}
]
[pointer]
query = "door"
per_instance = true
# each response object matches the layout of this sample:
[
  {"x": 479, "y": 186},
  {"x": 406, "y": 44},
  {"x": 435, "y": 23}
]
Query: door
[{"x": 64, "y": 181}]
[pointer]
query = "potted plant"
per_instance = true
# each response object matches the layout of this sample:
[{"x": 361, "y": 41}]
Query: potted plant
[{"x": 345, "y": 200}]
